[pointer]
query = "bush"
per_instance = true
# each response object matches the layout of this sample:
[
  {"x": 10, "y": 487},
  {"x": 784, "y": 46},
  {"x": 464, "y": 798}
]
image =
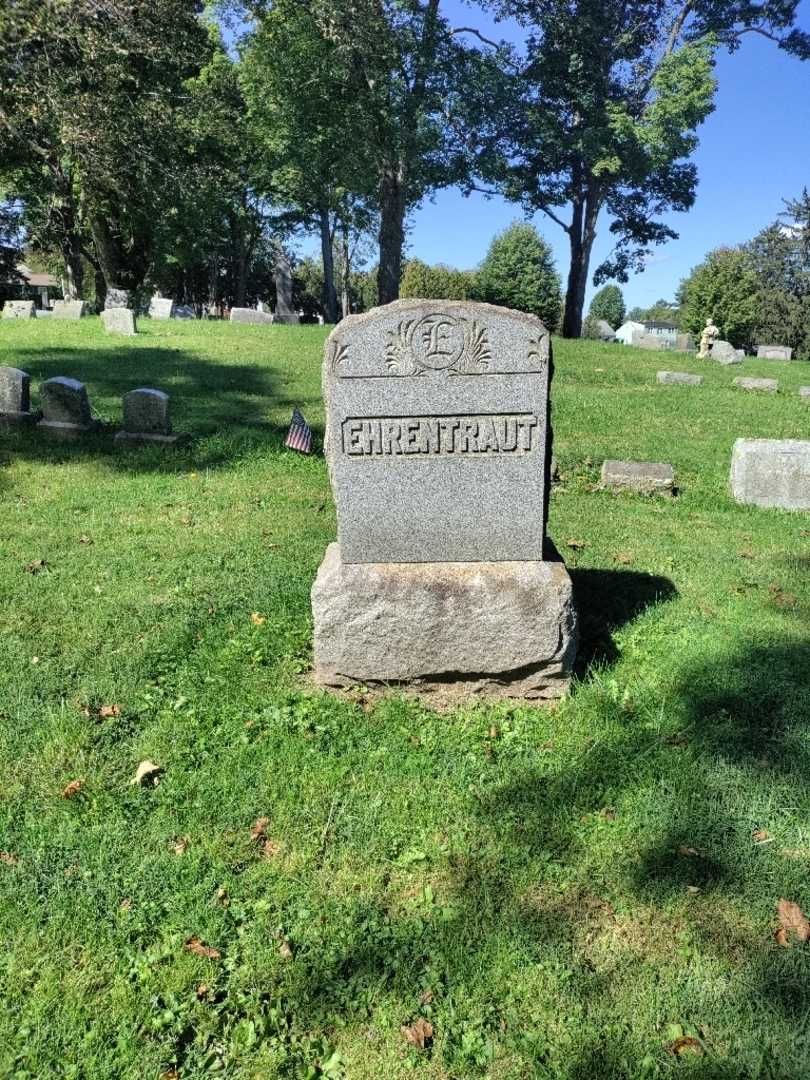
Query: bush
[
  {"x": 608, "y": 304},
  {"x": 724, "y": 287},
  {"x": 518, "y": 272},
  {"x": 439, "y": 282}
]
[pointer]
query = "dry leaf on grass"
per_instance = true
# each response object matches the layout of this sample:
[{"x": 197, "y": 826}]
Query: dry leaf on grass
[
  {"x": 685, "y": 1044},
  {"x": 759, "y": 836},
  {"x": 194, "y": 945},
  {"x": 624, "y": 559},
  {"x": 577, "y": 545},
  {"x": 9, "y": 859},
  {"x": 147, "y": 772},
  {"x": 106, "y": 711},
  {"x": 202, "y": 991},
  {"x": 419, "y": 1034},
  {"x": 258, "y": 829},
  {"x": 271, "y": 848},
  {"x": 180, "y": 845},
  {"x": 36, "y": 567},
  {"x": 257, "y": 619},
  {"x": 85, "y": 540},
  {"x": 285, "y": 950},
  {"x": 683, "y": 850},
  {"x": 793, "y": 922},
  {"x": 73, "y": 788},
  {"x": 693, "y": 890}
]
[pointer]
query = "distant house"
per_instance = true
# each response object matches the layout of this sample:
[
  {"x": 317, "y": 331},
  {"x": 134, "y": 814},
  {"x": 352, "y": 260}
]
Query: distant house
[
  {"x": 32, "y": 286},
  {"x": 665, "y": 330}
]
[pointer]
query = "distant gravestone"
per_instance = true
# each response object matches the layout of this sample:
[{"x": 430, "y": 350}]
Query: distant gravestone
[
  {"x": 804, "y": 393},
  {"x": 605, "y": 331},
  {"x": 282, "y": 276},
  {"x": 147, "y": 418},
  {"x": 184, "y": 311},
  {"x": 652, "y": 342},
  {"x": 769, "y": 385},
  {"x": 119, "y": 321},
  {"x": 69, "y": 309},
  {"x": 680, "y": 378},
  {"x": 161, "y": 308},
  {"x": 19, "y": 309},
  {"x": 643, "y": 477},
  {"x": 725, "y": 353},
  {"x": 774, "y": 352},
  {"x": 684, "y": 343},
  {"x": 771, "y": 473},
  {"x": 65, "y": 408},
  {"x": 15, "y": 397},
  {"x": 251, "y": 316},
  {"x": 438, "y": 446}
]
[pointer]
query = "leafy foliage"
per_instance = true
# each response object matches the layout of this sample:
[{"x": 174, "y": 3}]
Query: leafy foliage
[
  {"x": 724, "y": 287},
  {"x": 660, "y": 311},
  {"x": 608, "y": 304},
  {"x": 439, "y": 282},
  {"x": 518, "y": 271},
  {"x": 780, "y": 258}
]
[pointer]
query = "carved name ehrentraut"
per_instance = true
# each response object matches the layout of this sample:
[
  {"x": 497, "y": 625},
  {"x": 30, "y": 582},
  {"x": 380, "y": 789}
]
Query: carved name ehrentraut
[{"x": 503, "y": 433}]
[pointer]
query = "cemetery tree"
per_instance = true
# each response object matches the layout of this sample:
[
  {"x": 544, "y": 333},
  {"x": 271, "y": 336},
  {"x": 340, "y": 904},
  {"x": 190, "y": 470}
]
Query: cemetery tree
[
  {"x": 603, "y": 112},
  {"x": 9, "y": 241},
  {"x": 89, "y": 94},
  {"x": 780, "y": 258},
  {"x": 608, "y": 304},
  {"x": 518, "y": 272},
  {"x": 724, "y": 287}
]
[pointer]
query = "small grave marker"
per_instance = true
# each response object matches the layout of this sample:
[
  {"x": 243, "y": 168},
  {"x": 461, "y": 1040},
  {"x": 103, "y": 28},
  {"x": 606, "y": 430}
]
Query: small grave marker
[
  {"x": 771, "y": 473},
  {"x": 643, "y": 477},
  {"x": 769, "y": 385},
  {"x": 65, "y": 408}
]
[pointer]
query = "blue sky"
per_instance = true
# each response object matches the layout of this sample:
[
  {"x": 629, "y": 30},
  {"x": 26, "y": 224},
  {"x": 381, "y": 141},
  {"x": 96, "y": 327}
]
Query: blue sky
[{"x": 754, "y": 151}]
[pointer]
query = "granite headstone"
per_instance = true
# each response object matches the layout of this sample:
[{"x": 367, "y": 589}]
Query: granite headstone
[
  {"x": 251, "y": 316},
  {"x": 644, "y": 477},
  {"x": 438, "y": 444},
  {"x": 774, "y": 352},
  {"x": 161, "y": 308},
  {"x": 769, "y": 385},
  {"x": 282, "y": 276},
  {"x": 771, "y": 473},
  {"x": 65, "y": 408},
  {"x": 69, "y": 309},
  {"x": 147, "y": 418},
  {"x": 119, "y": 320},
  {"x": 15, "y": 396},
  {"x": 680, "y": 378},
  {"x": 19, "y": 309},
  {"x": 725, "y": 353}
]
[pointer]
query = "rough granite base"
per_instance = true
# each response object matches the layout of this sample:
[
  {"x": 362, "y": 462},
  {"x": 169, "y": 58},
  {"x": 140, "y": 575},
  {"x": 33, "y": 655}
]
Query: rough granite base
[
  {"x": 131, "y": 438},
  {"x": 462, "y": 631},
  {"x": 20, "y": 417},
  {"x": 57, "y": 429}
]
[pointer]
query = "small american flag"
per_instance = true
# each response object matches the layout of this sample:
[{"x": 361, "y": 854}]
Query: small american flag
[{"x": 299, "y": 437}]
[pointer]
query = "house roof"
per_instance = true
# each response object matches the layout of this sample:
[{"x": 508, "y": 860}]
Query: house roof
[
  {"x": 660, "y": 325},
  {"x": 37, "y": 280}
]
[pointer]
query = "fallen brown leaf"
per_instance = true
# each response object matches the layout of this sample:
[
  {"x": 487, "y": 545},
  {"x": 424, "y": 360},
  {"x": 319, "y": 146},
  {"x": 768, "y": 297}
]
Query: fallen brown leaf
[
  {"x": 194, "y": 945},
  {"x": 180, "y": 846},
  {"x": 685, "y": 1044},
  {"x": 85, "y": 540},
  {"x": 271, "y": 848},
  {"x": 9, "y": 859},
  {"x": 285, "y": 950},
  {"x": 693, "y": 890},
  {"x": 793, "y": 921},
  {"x": 624, "y": 559},
  {"x": 36, "y": 567},
  {"x": 683, "y": 850},
  {"x": 109, "y": 710},
  {"x": 759, "y": 836},
  {"x": 426, "y": 997},
  {"x": 202, "y": 991},
  {"x": 147, "y": 771},
  {"x": 577, "y": 545},
  {"x": 258, "y": 829},
  {"x": 257, "y": 619},
  {"x": 73, "y": 788},
  {"x": 419, "y": 1034}
]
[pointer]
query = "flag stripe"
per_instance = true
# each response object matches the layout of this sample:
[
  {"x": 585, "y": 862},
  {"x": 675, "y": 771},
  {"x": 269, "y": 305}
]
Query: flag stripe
[{"x": 299, "y": 436}]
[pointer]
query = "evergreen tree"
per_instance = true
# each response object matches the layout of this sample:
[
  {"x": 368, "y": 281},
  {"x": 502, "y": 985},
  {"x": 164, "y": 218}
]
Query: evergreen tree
[
  {"x": 518, "y": 272},
  {"x": 724, "y": 287},
  {"x": 608, "y": 304}
]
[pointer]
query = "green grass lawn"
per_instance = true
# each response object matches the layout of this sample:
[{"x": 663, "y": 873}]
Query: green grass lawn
[{"x": 560, "y": 892}]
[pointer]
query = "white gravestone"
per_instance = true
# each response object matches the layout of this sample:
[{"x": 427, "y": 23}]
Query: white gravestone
[
  {"x": 19, "y": 309},
  {"x": 771, "y": 473},
  {"x": 69, "y": 309}
]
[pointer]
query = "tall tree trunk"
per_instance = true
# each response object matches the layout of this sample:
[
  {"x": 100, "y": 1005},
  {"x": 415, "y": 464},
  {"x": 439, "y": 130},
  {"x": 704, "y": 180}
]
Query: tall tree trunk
[
  {"x": 392, "y": 234},
  {"x": 101, "y": 289},
  {"x": 345, "y": 268},
  {"x": 240, "y": 278},
  {"x": 581, "y": 235},
  {"x": 74, "y": 267},
  {"x": 329, "y": 291}
]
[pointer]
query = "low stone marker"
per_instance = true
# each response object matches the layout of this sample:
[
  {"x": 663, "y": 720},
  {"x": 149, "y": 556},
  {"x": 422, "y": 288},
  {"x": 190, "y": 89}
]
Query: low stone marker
[
  {"x": 774, "y": 352},
  {"x": 119, "y": 320},
  {"x": 652, "y": 342},
  {"x": 439, "y": 450},
  {"x": 804, "y": 393},
  {"x": 680, "y": 378},
  {"x": 69, "y": 309},
  {"x": 19, "y": 309},
  {"x": 147, "y": 419},
  {"x": 643, "y": 477},
  {"x": 161, "y": 308},
  {"x": 15, "y": 397},
  {"x": 251, "y": 316},
  {"x": 769, "y": 385},
  {"x": 65, "y": 408},
  {"x": 184, "y": 311},
  {"x": 771, "y": 473},
  {"x": 725, "y": 353},
  {"x": 684, "y": 343}
]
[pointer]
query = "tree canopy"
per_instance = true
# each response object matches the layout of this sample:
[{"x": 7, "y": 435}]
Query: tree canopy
[
  {"x": 608, "y": 304},
  {"x": 518, "y": 272}
]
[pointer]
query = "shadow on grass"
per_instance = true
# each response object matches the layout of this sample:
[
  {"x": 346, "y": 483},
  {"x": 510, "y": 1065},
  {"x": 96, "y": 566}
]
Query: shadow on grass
[
  {"x": 605, "y": 601},
  {"x": 223, "y": 407}
]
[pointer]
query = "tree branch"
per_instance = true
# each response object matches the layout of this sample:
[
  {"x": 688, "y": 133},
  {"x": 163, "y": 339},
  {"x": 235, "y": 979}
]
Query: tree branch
[{"x": 476, "y": 33}]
